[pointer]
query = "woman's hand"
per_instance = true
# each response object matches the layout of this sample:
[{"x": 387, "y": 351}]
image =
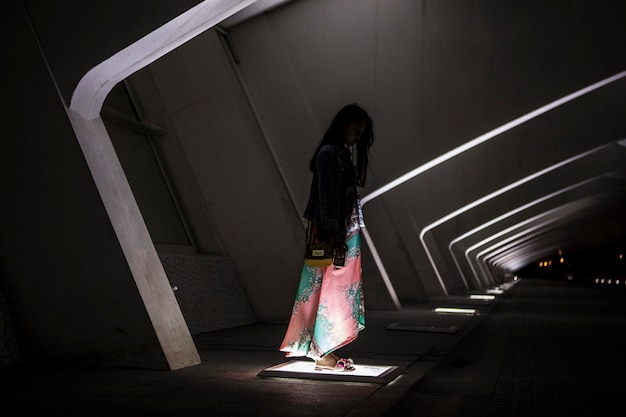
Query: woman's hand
[{"x": 339, "y": 250}]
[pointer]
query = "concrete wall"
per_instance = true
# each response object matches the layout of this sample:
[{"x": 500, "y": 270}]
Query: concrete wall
[
  {"x": 238, "y": 181},
  {"x": 59, "y": 253},
  {"x": 434, "y": 75},
  {"x": 208, "y": 290},
  {"x": 65, "y": 275}
]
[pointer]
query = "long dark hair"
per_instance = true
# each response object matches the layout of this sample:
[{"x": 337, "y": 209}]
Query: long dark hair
[{"x": 335, "y": 136}]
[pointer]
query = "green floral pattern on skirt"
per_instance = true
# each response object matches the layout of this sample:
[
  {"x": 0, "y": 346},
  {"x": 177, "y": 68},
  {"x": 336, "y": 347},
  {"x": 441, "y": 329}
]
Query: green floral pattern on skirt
[{"x": 329, "y": 310}]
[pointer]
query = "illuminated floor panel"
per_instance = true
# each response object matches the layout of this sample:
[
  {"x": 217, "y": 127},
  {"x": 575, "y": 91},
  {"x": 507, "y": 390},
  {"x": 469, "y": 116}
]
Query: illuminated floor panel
[
  {"x": 306, "y": 370},
  {"x": 407, "y": 327}
]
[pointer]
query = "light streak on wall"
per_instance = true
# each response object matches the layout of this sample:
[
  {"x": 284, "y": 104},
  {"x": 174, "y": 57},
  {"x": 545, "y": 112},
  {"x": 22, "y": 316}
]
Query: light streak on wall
[
  {"x": 106, "y": 170},
  {"x": 491, "y": 196},
  {"x": 381, "y": 269},
  {"x": 551, "y": 217},
  {"x": 503, "y": 233},
  {"x": 487, "y": 136},
  {"x": 470, "y": 145},
  {"x": 505, "y": 216}
]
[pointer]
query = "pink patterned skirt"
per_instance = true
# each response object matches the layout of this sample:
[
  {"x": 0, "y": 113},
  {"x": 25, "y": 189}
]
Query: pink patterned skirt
[{"x": 329, "y": 309}]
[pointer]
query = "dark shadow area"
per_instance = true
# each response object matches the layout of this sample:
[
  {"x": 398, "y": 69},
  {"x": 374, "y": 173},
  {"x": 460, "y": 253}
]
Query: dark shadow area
[
  {"x": 546, "y": 349},
  {"x": 603, "y": 265}
]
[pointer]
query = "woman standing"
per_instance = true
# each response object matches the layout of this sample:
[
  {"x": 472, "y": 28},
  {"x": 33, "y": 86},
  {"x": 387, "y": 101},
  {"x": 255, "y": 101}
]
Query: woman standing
[{"x": 329, "y": 309}]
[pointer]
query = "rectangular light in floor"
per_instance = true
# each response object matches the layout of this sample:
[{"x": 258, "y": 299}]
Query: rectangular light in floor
[
  {"x": 450, "y": 310},
  {"x": 482, "y": 297},
  {"x": 306, "y": 370}
]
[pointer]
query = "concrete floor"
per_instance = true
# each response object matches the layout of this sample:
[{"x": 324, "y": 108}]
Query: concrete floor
[{"x": 542, "y": 348}]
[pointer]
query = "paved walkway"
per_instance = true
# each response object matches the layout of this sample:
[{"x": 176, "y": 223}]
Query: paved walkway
[
  {"x": 548, "y": 349},
  {"x": 543, "y": 348}
]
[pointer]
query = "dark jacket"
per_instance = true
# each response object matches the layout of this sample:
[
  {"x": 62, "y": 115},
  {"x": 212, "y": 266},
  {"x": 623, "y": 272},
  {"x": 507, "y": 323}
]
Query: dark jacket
[{"x": 333, "y": 189}]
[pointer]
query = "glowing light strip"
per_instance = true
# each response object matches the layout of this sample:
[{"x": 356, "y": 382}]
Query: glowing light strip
[
  {"x": 507, "y": 215},
  {"x": 138, "y": 248},
  {"x": 512, "y": 253},
  {"x": 447, "y": 310},
  {"x": 473, "y": 143},
  {"x": 488, "y": 197},
  {"x": 95, "y": 85},
  {"x": 509, "y": 230},
  {"x": 504, "y": 255},
  {"x": 482, "y": 297},
  {"x": 509, "y": 240},
  {"x": 489, "y": 135},
  {"x": 516, "y": 256},
  {"x": 567, "y": 210},
  {"x": 512, "y": 248},
  {"x": 381, "y": 268}
]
